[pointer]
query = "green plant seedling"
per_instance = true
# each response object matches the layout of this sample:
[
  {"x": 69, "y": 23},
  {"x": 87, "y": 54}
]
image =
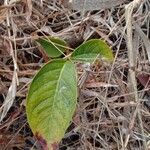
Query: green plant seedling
[{"x": 52, "y": 95}]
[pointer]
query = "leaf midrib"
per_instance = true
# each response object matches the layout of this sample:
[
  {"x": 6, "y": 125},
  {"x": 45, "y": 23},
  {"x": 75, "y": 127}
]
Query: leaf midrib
[{"x": 56, "y": 91}]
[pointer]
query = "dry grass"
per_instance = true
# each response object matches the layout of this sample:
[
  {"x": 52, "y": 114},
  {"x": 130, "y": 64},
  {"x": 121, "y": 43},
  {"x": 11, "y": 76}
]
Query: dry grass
[{"x": 113, "y": 111}]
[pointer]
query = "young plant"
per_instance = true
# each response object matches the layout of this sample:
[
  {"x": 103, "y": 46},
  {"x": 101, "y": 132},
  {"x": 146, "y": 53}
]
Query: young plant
[{"x": 52, "y": 95}]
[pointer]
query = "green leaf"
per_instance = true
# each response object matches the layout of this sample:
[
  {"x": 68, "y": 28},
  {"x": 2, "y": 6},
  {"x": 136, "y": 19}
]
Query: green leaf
[
  {"x": 91, "y": 50},
  {"x": 54, "y": 47},
  {"x": 51, "y": 102}
]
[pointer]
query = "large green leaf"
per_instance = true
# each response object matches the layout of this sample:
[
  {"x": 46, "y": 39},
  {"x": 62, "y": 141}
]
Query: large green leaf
[
  {"x": 51, "y": 102},
  {"x": 54, "y": 47},
  {"x": 91, "y": 50}
]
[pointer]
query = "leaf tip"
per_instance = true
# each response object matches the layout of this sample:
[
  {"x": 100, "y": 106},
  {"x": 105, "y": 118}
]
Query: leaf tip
[
  {"x": 54, "y": 146},
  {"x": 42, "y": 141}
]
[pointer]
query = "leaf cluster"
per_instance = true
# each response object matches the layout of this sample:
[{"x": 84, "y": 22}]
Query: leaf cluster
[{"x": 52, "y": 96}]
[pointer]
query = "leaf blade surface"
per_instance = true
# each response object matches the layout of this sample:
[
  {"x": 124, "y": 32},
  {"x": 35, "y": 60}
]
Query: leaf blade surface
[
  {"x": 91, "y": 50},
  {"x": 54, "y": 47},
  {"x": 52, "y": 100}
]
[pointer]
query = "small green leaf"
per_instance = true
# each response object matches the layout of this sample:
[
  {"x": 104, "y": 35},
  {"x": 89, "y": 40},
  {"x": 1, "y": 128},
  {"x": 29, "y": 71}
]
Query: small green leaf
[
  {"x": 54, "y": 47},
  {"x": 51, "y": 102},
  {"x": 91, "y": 50}
]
